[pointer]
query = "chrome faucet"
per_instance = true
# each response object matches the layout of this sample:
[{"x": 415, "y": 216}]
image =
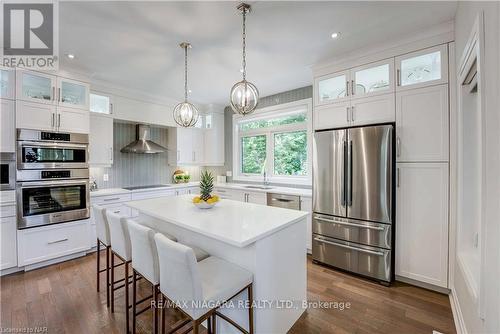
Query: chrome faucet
[{"x": 266, "y": 181}]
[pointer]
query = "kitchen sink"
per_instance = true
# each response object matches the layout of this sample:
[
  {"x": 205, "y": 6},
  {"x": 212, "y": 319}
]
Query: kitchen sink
[{"x": 259, "y": 187}]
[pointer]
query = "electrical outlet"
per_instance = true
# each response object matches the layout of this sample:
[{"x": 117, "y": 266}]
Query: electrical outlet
[{"x": 105, "y": 177}]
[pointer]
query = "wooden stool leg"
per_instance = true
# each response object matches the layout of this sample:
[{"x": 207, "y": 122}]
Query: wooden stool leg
[
  {"x": 214, "y": 323},
  {"x": 134, "y": 301},
  {"x": 112, "y": 282},
  {"x": 155, "y": 309},
  {"x": 107, "y": 276},
  {"x": 209, "y": 325},
  {"x": 195, "y": 327},
  {"x": 98, "y": 254},
  {"x": 163, "y": 315},
  {"x": 250, "y": 309},
  {"x": 127, "y": 313}
]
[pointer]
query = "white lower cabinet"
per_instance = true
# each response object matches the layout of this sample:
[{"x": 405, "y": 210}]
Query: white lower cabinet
[
  {"x": 187, "y": 191},
  {"x": 422, "y": 222},
  {"x": 8, "y": 126},
  {"x": 306, "y": 205},
  {"x": 256, "y": 198},
  {"x": 242, "y": 195},
  {"x": 100, "y": 140},
  {"x": 52, "y": 241},
  {"x": 8, "y": 242}
]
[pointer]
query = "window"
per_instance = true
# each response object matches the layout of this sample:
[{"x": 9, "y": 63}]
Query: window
[{"x": 276, "y": 141}]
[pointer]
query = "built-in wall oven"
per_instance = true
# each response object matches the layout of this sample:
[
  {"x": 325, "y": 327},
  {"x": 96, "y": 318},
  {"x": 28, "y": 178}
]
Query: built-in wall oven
[
  {"x": 52, "y": 196},
  {"x": 52, "y": 178},
  {"x": 48, "y": 150},
  {"x": 7, "y": 171}
]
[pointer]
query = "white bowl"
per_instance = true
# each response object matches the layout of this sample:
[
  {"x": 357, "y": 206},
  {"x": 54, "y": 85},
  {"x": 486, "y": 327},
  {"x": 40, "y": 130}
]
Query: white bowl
[{"x": 204, "y": 205}]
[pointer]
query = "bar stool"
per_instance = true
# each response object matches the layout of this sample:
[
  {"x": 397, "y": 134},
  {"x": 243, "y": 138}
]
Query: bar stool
[
  {"x": 193, "y": 286},
  {"x": 145, "y": 264},
  {"x": 121, "y": 248},
  {"x": 103, "y": 238}
]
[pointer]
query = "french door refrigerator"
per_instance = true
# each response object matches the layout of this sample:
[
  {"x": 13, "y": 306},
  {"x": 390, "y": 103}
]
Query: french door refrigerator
[{"x": 353, "y": 200}]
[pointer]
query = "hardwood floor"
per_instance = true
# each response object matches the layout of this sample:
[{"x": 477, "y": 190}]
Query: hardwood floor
[{"x": 63, "y": 299}]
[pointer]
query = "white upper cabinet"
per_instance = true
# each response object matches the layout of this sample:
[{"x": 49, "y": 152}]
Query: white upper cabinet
[
  {"x": 331, "y": 116},
  {"x": 36, "y": 87},
  {"x": 373, "y": 109},
  {"x": 422, "y": 68},
  {"x": 7, "y": 83},
  {"x": 214, "y": 139},
  {"x": 422, "y": 222},
  {"x": 331, "y": 88},
  {"x": 72, "y": 93},
  {"x": 101, "y": 103},
  {"x": 8, "y": 126},
  {"x": 372, "y": 79},
  {"x": 100, "y": 140},
  {"x": 36, "y": 116},
  {"x": 72, "y": 120},
  {"x": 422, "y": 122}
]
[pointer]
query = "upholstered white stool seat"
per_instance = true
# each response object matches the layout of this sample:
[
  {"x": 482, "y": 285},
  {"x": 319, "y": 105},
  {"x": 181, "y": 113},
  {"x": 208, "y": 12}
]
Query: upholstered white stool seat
[
  {"x": 101, "y": 224},
  {"x": 195, "y": 285}
]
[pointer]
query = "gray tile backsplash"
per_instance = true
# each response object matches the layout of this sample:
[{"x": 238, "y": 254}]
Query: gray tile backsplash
[{"x": 131, "y": 169}]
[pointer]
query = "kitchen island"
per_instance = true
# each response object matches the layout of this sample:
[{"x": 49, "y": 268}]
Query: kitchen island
[{"x": 268, "y": 241}]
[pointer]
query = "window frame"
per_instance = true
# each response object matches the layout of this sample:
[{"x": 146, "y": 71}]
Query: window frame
[{"x": 280, "y": 110}]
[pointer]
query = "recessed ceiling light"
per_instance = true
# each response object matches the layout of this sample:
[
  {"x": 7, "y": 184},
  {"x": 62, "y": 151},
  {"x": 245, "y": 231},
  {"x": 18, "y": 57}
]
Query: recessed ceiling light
[
  {"x": 335, "y": 35},
  {"x": 70, "y": 56},
  {"x": 190, "y": 91}
]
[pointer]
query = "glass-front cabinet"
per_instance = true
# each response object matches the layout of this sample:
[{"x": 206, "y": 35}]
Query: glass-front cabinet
[
  {"x": 36, "y": 87},
  {"x": 7, "y": 86},
  {"x": 373, "y": 79},
  {"x": 422, "y": 68},
  {"x": 71, "y": 93},
  {"x": 101, "y": 103},
  {"x": 332, "y": 88}
]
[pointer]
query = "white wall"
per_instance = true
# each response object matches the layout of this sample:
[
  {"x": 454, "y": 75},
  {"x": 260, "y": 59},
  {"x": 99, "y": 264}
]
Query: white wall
[{"x": 490, "y": 282}]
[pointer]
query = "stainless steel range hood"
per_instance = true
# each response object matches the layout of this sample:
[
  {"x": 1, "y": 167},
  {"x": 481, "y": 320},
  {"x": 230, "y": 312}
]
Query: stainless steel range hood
[{"x": 143, "y": 143}]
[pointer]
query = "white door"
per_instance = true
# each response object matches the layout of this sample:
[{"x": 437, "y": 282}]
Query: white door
[
  {"x": 72, "y": 93},
  {"x": 422, "y": 124},
  {"x": 36, "y": 116},
  {"x": 306, "y": 205},
  {"x": 335, "y": 115},
  {"x": 184, "y": 145},
  {"x": 8, "y": 244},
  {"x": 422, "y": 222},
  {"x": 8, "y": 126},
  {"x": 7, "y": 83},
  {"x": 331, "y": 88},
  {"x": 36, "y": 87},
  {"x": 198, "y": 146},
  {"x": 373, "y": 79},
  {"x": 422, "y": 68},
  {"x": 100, "y": 140},
  {"x": 72, "y": 120},
  {"x": 373, "y": 109}
]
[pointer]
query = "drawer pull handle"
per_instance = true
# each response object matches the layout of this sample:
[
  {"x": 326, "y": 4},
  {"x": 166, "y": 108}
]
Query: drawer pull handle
[
  {"x": 117, "y": 211},
  {"x": 57, "y": 241},
  {"x": 376, "y": 228},
  {"x": 282, "y": 200},
  {"x": 111, "y": 199},
  {"x": 350, "y": 247}
]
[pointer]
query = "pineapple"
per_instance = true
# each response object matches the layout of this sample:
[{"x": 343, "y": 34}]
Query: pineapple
[{"x": 206, "y": 185}]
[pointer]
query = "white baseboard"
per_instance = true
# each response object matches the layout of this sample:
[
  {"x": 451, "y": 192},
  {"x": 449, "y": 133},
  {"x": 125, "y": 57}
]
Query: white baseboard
[
  {"x": 53, "y": 261},
  {"x": 424, "y": 285},
  {"x": 457, "y": 313},
  {"x": 10, "y": 271}
]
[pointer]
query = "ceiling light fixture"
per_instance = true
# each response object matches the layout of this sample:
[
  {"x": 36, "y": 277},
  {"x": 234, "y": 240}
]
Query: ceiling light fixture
[
  {"x": 185, "y": 113},
  {"x": 335, "y": 35},
  {"x": 70, "y": 56},
  {"x": 244, "y": 95}
]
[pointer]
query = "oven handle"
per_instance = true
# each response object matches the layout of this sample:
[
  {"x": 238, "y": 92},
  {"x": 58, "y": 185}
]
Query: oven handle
[
  {"x": 376, "y": 228},
  {"x": 52, "y": 183},
  {"x": 52, "y": 144},
  {"x": 362, "y": 250}
]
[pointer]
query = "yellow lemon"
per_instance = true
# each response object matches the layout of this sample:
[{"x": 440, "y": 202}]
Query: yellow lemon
[{"x": 196, "y": 199}]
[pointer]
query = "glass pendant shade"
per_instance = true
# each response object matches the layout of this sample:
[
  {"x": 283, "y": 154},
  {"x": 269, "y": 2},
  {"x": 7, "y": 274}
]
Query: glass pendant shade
[
  {"x": 244, "y": 97},
  {"x": 185, "y": 114}
]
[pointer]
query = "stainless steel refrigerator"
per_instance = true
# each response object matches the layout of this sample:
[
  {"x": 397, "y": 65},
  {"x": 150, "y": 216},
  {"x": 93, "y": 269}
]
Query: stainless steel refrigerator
[{"x": 353, "y": 200}]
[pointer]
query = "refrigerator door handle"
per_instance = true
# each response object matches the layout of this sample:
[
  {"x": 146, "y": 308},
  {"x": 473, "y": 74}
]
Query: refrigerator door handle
[
  {"x": 344, "y": 177},
  {"x": 362, "y": 250},
  {"x": 349, "y": 200}
]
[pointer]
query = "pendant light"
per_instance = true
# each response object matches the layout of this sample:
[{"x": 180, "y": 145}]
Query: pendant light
[
  {"x": 185, "y": 113},
  {"x": 244, "y": 95}
]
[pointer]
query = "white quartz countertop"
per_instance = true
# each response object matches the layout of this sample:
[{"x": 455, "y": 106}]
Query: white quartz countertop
[
  {"x": 272, "y": 189},
  {"x": 108, "y": 191},
  {"x": 233, "y": 222}
]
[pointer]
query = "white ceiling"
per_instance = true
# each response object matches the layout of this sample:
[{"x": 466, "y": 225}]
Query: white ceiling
[{"x": 135, "y": 45}]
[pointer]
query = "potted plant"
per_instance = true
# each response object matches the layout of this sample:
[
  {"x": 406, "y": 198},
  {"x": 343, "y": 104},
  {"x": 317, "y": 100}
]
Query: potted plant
[
  {"x": 178, "y": 178},
  {"x": 187, "y": 177},
  {"x": 206, "y": 200}
]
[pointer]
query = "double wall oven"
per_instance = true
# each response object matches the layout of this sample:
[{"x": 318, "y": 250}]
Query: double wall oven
[{"x": 52, "y": 177}]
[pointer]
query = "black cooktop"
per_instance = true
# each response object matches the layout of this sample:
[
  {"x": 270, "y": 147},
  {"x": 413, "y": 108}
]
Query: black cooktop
[{"x": 147, "y": 187}]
